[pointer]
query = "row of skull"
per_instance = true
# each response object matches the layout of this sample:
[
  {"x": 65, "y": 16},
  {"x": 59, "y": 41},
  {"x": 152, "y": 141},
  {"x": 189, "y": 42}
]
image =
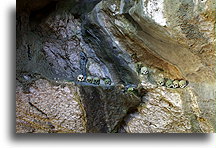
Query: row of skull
[
  {"x": 166, "y": 82},
  {"x": 172, "y": 83},
  {"x": 93, "y": 80}
]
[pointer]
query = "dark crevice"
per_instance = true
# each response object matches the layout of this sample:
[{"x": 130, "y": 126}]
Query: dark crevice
[
  {"x": 98, "y": 39},
  {"x": 39, "y": 15},
  {"x": 32, "y": 105}
]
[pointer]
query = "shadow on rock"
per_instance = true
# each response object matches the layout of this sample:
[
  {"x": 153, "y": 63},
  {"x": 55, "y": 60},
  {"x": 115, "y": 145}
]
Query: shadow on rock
[{"x": 106, "y": 107}]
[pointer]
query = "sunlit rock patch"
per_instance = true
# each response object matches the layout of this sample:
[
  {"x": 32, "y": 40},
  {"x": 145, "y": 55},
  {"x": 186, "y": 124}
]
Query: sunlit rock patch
[
  {"x": 163, "y": 112},
  {"x": 49, "y": 108}
]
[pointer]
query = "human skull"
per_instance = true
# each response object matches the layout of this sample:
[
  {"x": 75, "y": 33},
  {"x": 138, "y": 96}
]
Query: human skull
[
  {"x": 161, "y": 81},
  {"x": 133, "y": 90},
  {"x": 107, "y": 81},
  {"x": 176, "y": 83},
  {"x": 96, "y": 81},
  {"x": 182, "y": 83},
  {"x": 169, "y": 83},
  {"x": 120, "y": 87},
  {"x": 130, "y": 89},
  {"x": 144, "y": 70},
  {"x": 80, "y": 78},
  {"x": 89, "y": 79}
]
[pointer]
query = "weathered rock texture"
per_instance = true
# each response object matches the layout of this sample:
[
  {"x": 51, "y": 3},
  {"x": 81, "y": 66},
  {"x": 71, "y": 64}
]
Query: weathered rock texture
[
  {"x": 57, "y": 107},
  {"x": 109, "y": 108},
  {"x": 50, "y": 108},
  {"x": 58, "y": 40}
]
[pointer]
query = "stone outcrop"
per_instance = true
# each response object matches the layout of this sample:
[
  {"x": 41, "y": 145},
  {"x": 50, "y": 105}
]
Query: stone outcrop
[
  {"x": 59, "y": 40},
  {"x": 49, "y": 108},
  {"x": 63, "y": 107}
]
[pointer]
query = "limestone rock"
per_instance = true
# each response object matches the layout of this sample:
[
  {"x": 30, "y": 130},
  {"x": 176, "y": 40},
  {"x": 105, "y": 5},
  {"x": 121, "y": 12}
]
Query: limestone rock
[
  {"x": 63, "y": 107},
  {"x": 106, "y": 107},
  {"x": 59, "y": 40},
  {"x": 49, "y": 108}
]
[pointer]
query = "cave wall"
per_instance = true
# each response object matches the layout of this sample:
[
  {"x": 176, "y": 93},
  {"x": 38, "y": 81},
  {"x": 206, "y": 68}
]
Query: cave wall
[{"x": 58, "y": 40}]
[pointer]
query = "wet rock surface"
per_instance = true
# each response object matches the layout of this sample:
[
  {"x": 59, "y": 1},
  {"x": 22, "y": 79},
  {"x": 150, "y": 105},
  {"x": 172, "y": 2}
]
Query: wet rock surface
[{"x": 106, "y": 39}]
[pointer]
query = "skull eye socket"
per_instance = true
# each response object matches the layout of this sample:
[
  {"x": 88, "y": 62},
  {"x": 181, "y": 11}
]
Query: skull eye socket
[
  {"x": 161, "y": 83},
  {"x": 169, "y": 84},
  {"x": 107, "y": 81},
  {"x": 183, "y": 84},
  {"x": 175, "y": 84},
  {"x": 144, "y": 70},
  {"x": 80, "y": 78},
  {"x": 89, "y": 79},
  {"x": 130, "y": 89},
  {"x": 96, "y": 81}
]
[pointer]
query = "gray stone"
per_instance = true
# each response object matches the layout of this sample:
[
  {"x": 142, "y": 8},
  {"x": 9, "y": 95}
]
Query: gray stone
[{"x": 59, "y": 40}]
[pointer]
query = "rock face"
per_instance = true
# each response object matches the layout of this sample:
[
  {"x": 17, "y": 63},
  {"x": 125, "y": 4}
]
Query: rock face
[
  {"x": 106, "y": 107},
  {"x": 59, "y": 40},
  {"x": 50, "y": 108},
  {"x": 63, "y": 107}
]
